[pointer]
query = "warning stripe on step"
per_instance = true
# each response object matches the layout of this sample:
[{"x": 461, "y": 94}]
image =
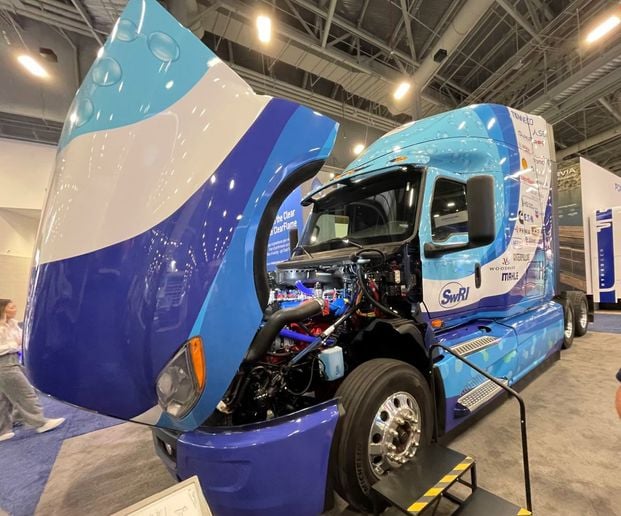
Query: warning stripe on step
[{"x": 432, "y": 493}]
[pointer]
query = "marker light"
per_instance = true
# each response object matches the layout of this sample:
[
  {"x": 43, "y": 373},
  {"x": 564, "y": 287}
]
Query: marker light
[
  {"x": 264, "y": 28},
  {"x": 603, "y": 28},
  {"x": 32, "y": 65},
  {"x": 401, "y": 90},
  {"x": 358, "y": 148}
]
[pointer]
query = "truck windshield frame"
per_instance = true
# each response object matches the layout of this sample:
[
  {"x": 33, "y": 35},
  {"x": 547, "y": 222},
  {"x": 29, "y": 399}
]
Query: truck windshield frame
[{"x": 371, "y": 210}]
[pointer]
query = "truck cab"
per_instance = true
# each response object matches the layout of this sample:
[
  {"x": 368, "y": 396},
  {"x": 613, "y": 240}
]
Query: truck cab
[{"x": 150, "y": 299}]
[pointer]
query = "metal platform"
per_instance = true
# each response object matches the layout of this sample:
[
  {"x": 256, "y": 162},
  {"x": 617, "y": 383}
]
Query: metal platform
[{"x": 417, "y": 487}]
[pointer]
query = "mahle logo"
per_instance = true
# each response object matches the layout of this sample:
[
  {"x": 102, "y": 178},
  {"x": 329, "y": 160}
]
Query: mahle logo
[{"x": 452, "y": 294}]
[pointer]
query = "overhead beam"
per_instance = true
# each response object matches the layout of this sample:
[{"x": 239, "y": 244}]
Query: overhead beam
[
  {"x": 87, "y": 19},
  {"x": 608, "y": 107},
  {"x": 589, "y": 143},
  {"x": 328, "y": 24},
  {"x": 408, "y": 28},
  {"x": 519, "y": 19},
  {"x": 350, "y": 27},
  {"x": 583, "y": 97},
  {"x": 268, "y": 85},
  {"x": 62, "y": 22},
  {"x": 588, "y": 73},
  {"x": 363, "y": 11}
]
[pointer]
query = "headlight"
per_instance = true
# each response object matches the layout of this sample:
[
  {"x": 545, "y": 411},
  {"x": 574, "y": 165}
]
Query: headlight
[{"x": 182, "y": 380}]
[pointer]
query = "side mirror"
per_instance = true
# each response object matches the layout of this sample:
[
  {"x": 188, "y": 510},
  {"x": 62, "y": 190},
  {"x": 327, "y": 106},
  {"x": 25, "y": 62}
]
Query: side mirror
[
  {"x": 481, "y": 218},
  {"x": 481, "y": 210}
]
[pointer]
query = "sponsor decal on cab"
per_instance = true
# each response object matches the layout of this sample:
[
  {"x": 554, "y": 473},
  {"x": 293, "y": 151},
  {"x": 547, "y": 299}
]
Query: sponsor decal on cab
[
  {"x": 452, "y": 294},
  {"x": 509, "y": 276}
]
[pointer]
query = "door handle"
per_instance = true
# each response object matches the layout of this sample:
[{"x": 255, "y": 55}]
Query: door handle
[{"x": 477, "y": 275}]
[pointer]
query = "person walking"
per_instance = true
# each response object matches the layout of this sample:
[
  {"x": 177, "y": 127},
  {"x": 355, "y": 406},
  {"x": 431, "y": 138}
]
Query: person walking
[{"x": 15, "y": 389}]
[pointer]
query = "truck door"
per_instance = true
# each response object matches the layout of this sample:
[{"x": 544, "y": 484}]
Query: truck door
[{"x": 452, "y": 282}]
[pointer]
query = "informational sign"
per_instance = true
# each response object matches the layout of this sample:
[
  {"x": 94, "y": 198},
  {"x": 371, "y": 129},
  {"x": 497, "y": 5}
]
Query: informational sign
[
  {"x": 183, "y": 499},
  {"x": 289, "y": 217}
]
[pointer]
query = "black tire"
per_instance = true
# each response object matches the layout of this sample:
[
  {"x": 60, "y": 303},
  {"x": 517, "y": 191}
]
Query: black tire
[
  {"x": 580, "y": 306},
  {"x": 569, "y": 328},
  {"x": 362, "y": 394}
]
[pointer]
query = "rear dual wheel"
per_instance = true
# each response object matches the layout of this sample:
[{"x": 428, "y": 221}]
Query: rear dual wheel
[
  {"x": 387, "y": 419},
  {"x": 578, "y": 301}
]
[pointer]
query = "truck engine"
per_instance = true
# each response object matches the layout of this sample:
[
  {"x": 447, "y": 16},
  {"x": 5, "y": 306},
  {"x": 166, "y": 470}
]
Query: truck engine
[{"x": 314, "y": 331}]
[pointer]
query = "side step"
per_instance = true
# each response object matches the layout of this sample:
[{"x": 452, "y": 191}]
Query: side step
[
  {"x": 417, "y": 484},
  {"x": 476, "y": 397},
  {"x": 482, "y": 502},
  {"x": 471, "y": 346}
]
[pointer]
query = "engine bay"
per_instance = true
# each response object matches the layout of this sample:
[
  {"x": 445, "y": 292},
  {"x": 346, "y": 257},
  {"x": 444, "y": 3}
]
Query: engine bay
[{"x": 317, "y": 327}]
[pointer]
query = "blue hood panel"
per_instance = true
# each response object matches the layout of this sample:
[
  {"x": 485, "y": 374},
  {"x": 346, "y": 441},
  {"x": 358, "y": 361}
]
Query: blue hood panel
[{"x": 165, "y": 167}]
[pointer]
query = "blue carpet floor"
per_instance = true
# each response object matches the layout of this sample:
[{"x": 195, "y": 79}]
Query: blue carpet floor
[
  {"x": 27, "y": 459},
  {"x": 607, "y": 323}
]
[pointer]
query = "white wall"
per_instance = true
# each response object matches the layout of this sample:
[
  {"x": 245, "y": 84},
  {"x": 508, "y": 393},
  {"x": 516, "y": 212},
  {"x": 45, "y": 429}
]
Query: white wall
[
  {"x": 25, "y": 170},
  {"x": 601, "y": 189}
]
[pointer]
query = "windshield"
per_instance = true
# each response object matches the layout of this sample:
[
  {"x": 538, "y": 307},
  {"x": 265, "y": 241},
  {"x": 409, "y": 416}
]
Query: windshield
[{"x": 380, "y": 209}]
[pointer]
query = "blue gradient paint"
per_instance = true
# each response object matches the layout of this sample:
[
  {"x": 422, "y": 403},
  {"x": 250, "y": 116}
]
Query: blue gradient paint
[
  {"x": 146, "y": 65},
  {"x": 110, "y": 320},
  {"x": 278, "y": 468}
]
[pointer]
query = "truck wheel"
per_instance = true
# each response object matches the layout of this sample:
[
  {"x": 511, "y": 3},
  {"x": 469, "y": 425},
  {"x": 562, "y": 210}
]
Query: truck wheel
[
  {"x": 570, "y": 327},
  {"x": 387, "y": 418},
  {"x": 581, "y": 311}
]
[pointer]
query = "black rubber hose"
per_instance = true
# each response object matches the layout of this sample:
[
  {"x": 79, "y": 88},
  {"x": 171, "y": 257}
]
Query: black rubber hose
[
  {"x": 275, "y": 322},
  {"x": 371, "y": 298}
]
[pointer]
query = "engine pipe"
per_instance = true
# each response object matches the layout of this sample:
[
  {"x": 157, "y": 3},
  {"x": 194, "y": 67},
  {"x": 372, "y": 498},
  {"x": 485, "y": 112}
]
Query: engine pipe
[
  {"x": 276, "y": 322},
  {"x": 304, "y": 289},
  {"x": 324, "y": 336},
  {"x": 290, "y": 334}
]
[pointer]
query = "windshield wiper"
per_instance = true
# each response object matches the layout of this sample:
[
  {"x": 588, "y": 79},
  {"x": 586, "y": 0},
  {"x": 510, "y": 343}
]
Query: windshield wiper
[{"x": 344, "y": 240}]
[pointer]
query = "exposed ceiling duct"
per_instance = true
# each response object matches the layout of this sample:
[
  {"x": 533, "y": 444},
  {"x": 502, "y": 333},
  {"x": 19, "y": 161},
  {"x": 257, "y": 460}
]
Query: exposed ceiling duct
[
  {"x": 456, "y": 32},
  {"x": 369, "y": 80}
]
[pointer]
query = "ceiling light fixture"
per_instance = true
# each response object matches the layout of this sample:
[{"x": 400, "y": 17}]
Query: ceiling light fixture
[
  {"x": 603, "y": 28},
  {"x": 264, "y": 28},
  {"x": 401, "y": 90},
  {"x": 358, "y": 148},
  {"x": 33, "y": 66}
]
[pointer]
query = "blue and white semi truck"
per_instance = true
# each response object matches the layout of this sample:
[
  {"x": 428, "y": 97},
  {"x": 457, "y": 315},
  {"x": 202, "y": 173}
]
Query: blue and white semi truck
[{"x": 150, "y": 300}]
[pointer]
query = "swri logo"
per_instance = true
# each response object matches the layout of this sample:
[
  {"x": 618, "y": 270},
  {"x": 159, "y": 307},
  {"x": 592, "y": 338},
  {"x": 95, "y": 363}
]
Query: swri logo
[{"x": 452, "y": 294}]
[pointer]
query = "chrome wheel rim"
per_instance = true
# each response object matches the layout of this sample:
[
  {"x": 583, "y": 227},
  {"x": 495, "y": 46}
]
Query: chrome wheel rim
[
  {"x": 584, "y": 316},
  {"x": 569, "y": 325},
  {"x": 395, "y": 433}
]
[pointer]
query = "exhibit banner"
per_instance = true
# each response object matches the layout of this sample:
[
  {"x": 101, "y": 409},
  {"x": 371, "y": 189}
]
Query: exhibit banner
[{"x": 289, "y": 217}]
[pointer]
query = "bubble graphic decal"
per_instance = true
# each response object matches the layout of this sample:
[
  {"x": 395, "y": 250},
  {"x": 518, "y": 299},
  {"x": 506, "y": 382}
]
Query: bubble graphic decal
[
  {"x": 163, "y": 47},
  {"x": 125, "y": 30},
  {"x": 106, "y": 72},
  {"x": 83, "y": 112}
]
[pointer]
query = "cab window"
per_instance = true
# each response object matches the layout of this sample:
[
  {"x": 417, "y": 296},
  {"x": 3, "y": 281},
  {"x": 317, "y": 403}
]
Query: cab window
[{"x": 449, "y": 213}]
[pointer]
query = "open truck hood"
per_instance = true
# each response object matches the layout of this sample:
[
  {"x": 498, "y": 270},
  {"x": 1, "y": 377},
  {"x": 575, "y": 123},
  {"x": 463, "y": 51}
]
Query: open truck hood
[{"x": 157, "y": 218}]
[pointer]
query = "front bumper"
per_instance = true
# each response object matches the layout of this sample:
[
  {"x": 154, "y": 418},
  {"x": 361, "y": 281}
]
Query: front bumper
[{"x": 275, "y": 468}]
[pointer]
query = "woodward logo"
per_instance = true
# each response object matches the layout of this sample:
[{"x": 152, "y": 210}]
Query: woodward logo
[
  {"x": 452, "y": 294},
  {"x": 510, "y": 276}
]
